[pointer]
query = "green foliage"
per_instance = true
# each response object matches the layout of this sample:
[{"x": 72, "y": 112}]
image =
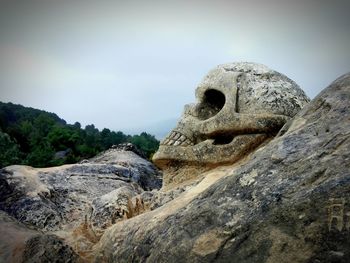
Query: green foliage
[
  {"x": 10, "y": 153},
  {"x": 146, "y": 142},
  {"x": 41, "y": 155},
  {"x": 40, "y": 139}
]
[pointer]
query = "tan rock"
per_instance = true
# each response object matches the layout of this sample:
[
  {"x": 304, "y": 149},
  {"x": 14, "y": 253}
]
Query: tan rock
[{"x": 239, "y": 106}]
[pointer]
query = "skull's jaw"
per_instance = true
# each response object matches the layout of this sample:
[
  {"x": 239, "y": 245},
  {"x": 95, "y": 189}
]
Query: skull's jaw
[
  {"x": 208, "y": 152},
  {"x": 176, "y": 161}
]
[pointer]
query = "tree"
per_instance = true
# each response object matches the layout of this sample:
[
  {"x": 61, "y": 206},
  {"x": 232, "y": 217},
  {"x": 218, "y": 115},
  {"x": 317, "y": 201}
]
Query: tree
[
  {"x": 41, "y": 155},
  {"x": 106, "y": 138},
  {"x": 34, "y": 137},
  {"x": 77, "y": 125},
  {"x": 10, "y": 153},
  {"x": 146, "y": 142}
]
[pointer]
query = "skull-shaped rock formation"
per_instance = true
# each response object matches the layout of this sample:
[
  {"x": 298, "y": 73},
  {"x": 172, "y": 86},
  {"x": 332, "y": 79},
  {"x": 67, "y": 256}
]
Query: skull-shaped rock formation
[{"x": 239, "y": 106}]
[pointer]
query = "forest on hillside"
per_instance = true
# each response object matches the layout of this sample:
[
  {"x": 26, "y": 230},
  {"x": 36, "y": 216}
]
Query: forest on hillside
[{"x": 40, "y": 139}]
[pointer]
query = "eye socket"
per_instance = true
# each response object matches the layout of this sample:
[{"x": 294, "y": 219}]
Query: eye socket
[{"x": 213, "y": 102}]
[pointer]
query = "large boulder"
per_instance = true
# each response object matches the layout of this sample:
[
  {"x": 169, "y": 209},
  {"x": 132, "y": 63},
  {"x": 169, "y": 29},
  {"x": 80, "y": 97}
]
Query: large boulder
[
  {"x": 287, "y": 202},
  {"x": 76, "y": 202}
]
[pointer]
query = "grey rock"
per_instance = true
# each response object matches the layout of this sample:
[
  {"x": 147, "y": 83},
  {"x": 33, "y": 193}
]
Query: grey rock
[
  {"x": 287, "y": 202},
  {"x": 75, "y": 202},
  {"x": 157, "y": 198},
  {"x": 116, "y": 205},
  {"x": 62, "y": 154},
  {"x": 48, "y": 249},
  {"x": 140, "y": 169},
  {"x": 13, "y": 236},
  {"x": 49, "y": 198},
  {"x": 129, "y": 147},
  {"x": 18, "y": 243}
]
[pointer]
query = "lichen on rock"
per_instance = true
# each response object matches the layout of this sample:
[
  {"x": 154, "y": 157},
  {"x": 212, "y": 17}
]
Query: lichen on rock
[
  {"x": 287, "y": 202},
  {"x": 239, "y": 107},
  {"x": 74, "y": 204},
  {"x": 287, "y": 199}
]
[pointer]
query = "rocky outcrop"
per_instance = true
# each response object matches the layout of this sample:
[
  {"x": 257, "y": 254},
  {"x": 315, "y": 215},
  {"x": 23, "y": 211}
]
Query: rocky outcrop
[
  {"x": 77, "y": 202},
  {"x": 239, "y": 107},
  {"x": 18, "y": 243},
  {"x": 127, "y": 155},
  {"x": 287, "y": 202}
]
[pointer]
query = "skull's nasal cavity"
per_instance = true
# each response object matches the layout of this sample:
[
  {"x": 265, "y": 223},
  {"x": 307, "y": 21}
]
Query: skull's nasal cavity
[{"x": 213, "y": 101}]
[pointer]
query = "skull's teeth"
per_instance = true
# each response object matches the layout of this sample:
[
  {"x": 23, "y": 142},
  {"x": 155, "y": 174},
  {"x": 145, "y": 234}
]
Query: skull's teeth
[
  {"x": 173, "y": 135},
  {"x": 177, "y": 139}
]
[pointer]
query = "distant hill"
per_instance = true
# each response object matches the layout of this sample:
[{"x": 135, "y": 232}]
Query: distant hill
[
  {"x": 39, "y": 138},
  {"x": 12, "y": 113}
]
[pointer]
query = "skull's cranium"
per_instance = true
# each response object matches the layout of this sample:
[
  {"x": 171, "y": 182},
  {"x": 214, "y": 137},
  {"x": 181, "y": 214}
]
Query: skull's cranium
[{"x": 239, "y": 106}]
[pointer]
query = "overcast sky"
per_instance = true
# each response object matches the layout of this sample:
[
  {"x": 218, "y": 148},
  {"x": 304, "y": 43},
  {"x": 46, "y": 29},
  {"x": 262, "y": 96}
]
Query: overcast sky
[{"x": 132, "y": 65}]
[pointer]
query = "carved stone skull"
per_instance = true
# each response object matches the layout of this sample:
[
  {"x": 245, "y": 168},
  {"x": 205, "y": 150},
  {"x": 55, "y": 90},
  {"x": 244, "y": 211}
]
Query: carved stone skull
[{"x": 239, "y": 106}]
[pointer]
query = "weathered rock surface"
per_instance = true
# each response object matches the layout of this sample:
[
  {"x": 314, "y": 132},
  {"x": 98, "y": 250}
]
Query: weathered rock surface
[
  {"x": 51, "y": 197},
  {"x": 18, "y": 243},
  {"x": 287, "y": 202},
  {"x": 239, "y": 107},
  {"x": 75, "y": 202},
  {"x": 128, "y": 156}
]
